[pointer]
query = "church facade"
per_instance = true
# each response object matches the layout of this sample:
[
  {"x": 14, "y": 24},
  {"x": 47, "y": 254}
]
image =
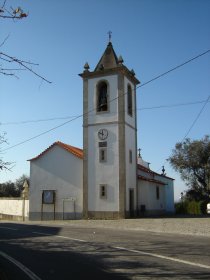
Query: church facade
[{"x": 109, "y": 182}]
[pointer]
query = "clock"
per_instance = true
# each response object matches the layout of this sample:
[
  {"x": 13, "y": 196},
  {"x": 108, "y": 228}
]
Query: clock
[{"x": 102, "y": 134}]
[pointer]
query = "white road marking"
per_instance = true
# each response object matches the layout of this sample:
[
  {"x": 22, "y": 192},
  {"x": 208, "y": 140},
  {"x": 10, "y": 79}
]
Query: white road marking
[
  {"x": 164, "y": 257},
  {"x": 26, "y": 270},
  {"x": 9, "y": 228},
  {"x": 136, "y": 251},
  {"x": 118, "y": 248},
  {"x": 74, "y": 239},
  {"x": 41, "y": 233},
  {"x": 60, "y": 236}
]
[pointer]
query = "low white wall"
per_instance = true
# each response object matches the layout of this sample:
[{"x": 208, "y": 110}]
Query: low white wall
[{"x": 14, "y": 208}]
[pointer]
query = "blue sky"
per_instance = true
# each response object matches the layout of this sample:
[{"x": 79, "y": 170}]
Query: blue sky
[{"x": 153, "y": 36}]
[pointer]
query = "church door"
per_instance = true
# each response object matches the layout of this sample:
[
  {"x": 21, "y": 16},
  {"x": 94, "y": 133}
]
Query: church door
[{"x": 131, "y": 202}]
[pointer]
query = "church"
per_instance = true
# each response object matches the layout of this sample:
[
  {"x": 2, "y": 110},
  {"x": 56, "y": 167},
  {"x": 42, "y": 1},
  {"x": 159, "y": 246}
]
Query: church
[{"x": 106, "y": 179}]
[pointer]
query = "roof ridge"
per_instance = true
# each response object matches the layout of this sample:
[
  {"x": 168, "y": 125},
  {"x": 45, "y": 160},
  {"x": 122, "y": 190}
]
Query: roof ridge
[
  {"x": 78, "y": 152},
  {"x": 148, "y": 170},
  {"x": 151, "y": 180}
]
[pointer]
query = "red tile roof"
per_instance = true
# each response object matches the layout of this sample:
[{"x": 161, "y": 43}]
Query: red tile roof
[
  {"x": 147, "y": 170},
  {"x": 71, "y": 149},
  {"x": 150, "y": 180}
]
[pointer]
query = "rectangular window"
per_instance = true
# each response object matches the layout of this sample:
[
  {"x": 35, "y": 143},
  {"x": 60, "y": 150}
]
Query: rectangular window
[
  {"x": 130, "y": 156},
  {"x": 157, "y": 193},
  {"x": 102, "y": 155},
  {"x": 103, "y": 191}
]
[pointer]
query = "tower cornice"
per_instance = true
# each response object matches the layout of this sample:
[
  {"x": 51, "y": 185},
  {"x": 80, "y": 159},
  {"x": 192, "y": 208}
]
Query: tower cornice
[{"x": 122, "y": 69}]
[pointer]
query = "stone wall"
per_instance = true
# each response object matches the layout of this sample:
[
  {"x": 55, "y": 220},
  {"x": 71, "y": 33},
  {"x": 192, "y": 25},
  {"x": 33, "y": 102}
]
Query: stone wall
[{"x": 14, "y": 208}]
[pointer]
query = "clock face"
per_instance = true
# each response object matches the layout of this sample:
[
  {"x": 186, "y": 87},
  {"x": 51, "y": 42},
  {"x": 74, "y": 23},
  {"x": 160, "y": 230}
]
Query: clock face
[{"x": 102, "y": 134}]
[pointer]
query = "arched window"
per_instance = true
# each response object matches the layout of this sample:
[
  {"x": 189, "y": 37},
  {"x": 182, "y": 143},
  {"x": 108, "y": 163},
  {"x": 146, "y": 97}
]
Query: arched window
[
  {"x": 102, "y": 97},
  {"x": 129, "y": 101}
]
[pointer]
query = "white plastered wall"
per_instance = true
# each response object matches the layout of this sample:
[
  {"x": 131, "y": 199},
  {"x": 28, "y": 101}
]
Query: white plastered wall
[
  {"x": 169, "y": 193},
  {"x": 14, "y": 207},
  {"x": 60, "y": 171},
  {"x": 147, "y": 196},
  {"x": 106, "y": 172},
  {"x": 103, "y": 172}
]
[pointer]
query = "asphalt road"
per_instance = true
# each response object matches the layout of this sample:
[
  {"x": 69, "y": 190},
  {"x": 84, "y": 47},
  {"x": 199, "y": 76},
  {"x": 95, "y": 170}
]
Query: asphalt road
[{"x": 39, "y": 252}]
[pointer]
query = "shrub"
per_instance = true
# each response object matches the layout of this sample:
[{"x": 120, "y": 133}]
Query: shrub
[
  {"x": 181, "y": 207},
  {"x": 203, "y": 206},
  {"x": 191, "y": 207}
]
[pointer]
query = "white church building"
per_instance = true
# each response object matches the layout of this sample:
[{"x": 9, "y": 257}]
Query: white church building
[{"x": 105, "y": 180}]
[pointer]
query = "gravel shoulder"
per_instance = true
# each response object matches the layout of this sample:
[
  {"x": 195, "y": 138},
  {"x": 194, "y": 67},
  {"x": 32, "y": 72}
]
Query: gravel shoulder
[{"x": 188, "y": 226}]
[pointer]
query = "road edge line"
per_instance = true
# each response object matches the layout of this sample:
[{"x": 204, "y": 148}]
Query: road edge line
[
  {"x": 26, "y": 270},
  {"x": 164, "y": 257}
]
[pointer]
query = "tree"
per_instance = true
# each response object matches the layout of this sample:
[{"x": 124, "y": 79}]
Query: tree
[
  {"x": 17, "y": 13},
  {"x": 19, "y": 183},
  {"x": 13, "y": 189},
  {"x": 192, "y": 160},
  {"x": 10, "y": 64},
  {"x": 4, "y": 165},
  {"x": 8, "y": 189},
  {"x": 7, "y": 60}
]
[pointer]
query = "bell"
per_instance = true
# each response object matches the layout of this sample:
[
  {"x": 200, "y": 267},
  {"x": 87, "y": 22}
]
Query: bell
[{"x": 104, "y": 103}]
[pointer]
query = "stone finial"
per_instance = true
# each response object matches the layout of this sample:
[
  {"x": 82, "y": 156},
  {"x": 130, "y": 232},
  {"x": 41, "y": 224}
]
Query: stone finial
[
  {"x": 139, "y": 153},
  {"x": 120, "y": 60},
  {"x": 132, "y": 72},
  {"x": 163, "y": 171},
  {"x": 86, "y": 67}
]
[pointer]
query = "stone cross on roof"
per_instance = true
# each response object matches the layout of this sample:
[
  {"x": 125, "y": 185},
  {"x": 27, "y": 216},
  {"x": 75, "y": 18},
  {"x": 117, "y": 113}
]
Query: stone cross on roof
[{"x": 110, "y": 35}]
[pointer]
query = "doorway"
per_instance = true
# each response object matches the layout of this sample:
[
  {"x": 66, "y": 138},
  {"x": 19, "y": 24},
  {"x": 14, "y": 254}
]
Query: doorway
[{"x": 131, "y": 203}]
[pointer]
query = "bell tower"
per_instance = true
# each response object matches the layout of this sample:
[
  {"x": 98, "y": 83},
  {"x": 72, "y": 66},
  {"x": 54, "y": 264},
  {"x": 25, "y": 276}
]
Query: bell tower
[{"x": 109, "y": 138}]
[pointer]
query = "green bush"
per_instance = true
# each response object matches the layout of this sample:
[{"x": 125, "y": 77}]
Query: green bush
[
  {"x": 203, "y": 206},
  {"x": 191, "y": 207},
  {"x": 181, "y": 207}
]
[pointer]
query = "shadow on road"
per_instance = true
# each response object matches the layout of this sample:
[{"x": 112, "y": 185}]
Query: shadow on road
[
  {"x": 50, "y": 256},
  {"x": 36, "y": 247}
]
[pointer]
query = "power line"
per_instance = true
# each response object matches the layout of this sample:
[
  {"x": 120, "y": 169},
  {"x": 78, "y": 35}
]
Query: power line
[
  {"x": 171, "y": 105},
  {"x": 83, "y": 115},
  {"x": 71, "y": 117},
  {"x": 174, "y": 68},
  {"x": 193, "y": 123},
  {"x": 155, "y": 107},
  {"x": 45, "y": 132},
  {"x": 38, "y": 120},
  {"x": 196, "y": 119}
]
